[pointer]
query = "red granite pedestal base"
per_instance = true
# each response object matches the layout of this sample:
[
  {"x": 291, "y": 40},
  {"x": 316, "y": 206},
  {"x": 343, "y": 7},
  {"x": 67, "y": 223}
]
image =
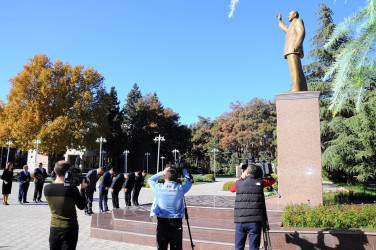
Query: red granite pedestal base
[{"x": 299, "y": 148}]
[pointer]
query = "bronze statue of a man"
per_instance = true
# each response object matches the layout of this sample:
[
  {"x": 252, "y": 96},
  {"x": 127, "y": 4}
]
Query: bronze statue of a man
[{"x": 295, "y": 34}]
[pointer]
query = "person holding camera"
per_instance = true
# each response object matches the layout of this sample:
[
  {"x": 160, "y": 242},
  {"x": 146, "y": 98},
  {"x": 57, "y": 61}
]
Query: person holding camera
[
  {"x": 168, "y": 207},
  {"x": 249, "y": 212},
  {"x": 92, "y": 178},
  {"x": 104, "y": 186},
  {"x": 62, "y": 201},
  {"x": 40, "y": 175}
]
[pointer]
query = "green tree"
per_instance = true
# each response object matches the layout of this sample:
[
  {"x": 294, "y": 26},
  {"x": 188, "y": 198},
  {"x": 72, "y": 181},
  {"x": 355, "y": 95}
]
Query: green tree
[
  {"x": 201, "y": 136},
  {"x": 145, "y": 118},
  {"x": 352, "y": 151},
  {"x": 59, "y": 104},
  {"x": 115, "y": 136}
]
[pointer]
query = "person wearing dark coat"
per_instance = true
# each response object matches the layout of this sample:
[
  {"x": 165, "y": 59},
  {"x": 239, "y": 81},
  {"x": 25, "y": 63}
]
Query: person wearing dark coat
[
  {"x": 24, "y": 180},
  {"x": 128, "y": 187},
  {"x": 250, "y": 209},
  {"x": 7, "y": 178},
  {"x": 92, "y": 177},
  {"x": 104, "y": 186},
  {"x": 117, "y": 184},
  {"x": 40, "y": 175},
  {"x": 138, "y": 183}
]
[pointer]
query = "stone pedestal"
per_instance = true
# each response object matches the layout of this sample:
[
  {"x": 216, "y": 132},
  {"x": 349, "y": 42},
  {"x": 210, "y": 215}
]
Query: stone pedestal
[{"x": 299, "y": 148}]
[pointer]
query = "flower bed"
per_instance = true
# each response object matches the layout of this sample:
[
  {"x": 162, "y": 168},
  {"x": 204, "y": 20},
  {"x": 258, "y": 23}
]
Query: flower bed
[{"x": 335, "y": 216}]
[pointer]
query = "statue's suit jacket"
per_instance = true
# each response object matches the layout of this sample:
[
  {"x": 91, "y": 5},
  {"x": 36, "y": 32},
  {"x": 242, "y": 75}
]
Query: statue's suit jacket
[{"x": 295, "y": 34}]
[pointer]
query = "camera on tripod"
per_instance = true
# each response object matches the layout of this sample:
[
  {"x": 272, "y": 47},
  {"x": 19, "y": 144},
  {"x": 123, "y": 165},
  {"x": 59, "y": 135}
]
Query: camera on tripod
[
  {"x": 73, "y": 177},
  {"x": 265, "y": 167},
  {"x": 180, "y": 165}
]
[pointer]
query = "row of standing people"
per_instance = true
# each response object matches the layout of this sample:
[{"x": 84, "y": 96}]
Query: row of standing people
[{"x": 24, "y": 179}]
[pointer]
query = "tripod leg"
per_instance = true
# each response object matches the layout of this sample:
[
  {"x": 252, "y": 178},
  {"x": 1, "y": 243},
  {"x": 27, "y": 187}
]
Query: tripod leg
[{"x": 187, "y": 218}]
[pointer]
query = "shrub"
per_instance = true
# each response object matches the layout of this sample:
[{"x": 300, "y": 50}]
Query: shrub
[
  {"x": 200, "y": 178},
  {"x": 160, "y": 180},
  {"x": 348, "y": 196},
  {"x": 227, "y": 185},
  {"x": 209, "y": 176},
  {"x": 335, "y": 216}
]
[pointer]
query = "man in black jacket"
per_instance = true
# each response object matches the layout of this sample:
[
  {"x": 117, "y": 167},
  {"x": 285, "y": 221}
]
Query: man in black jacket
[
  {"x": 40, "y": 175},
  {"x": 249, "y": 212},
  {"x": 138, "y": 183},
  {"x": 128, "y": 187},
  {"x": 103, "y": 189},
  {"x": 92, "y": 177},
  {"x": 117, "y": 184}
]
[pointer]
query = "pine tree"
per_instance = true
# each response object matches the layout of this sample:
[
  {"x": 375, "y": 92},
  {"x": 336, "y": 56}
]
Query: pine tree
[{"x": 115, "y": 137}]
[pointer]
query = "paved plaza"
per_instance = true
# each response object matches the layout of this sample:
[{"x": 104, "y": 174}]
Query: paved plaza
[{"x": 26, "y": 226}]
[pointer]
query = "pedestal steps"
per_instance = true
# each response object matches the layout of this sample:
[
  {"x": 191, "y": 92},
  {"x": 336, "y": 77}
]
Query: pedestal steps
[{"x": 211, "y": 227}]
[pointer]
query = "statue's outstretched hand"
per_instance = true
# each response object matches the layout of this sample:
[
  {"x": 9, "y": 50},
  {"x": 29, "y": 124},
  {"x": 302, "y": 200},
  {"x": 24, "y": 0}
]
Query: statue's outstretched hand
[{"x": 279, "y": 16}]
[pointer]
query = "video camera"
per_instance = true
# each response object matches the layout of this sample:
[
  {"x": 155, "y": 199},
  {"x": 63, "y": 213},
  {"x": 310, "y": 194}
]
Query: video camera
[
  {"x": 180, "y": 165},
  {"x": 265, "y": 167},
  {"x": 73, "y": 177}
]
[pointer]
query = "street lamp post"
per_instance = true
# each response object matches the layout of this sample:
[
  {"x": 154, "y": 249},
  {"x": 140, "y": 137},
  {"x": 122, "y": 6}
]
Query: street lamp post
[
  {"x": 37, "y": 142},
  {"x": 125, "y": 153},
  {"x": 174, "y": 152},
  {"x": 159, "y": 138},
  {"x": 214, "y": 150},
  {"x": 103, "y": 154},
  {"x": 162, "y": 158},
  {"x": 100, "y": 140},
  {"x": 147, "y": 161},
  {"x": 8, "y": 143}
]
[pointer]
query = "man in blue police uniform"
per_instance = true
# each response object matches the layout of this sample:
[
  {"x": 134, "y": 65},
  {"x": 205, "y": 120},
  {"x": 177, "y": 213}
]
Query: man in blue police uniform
[
  {"x": 24, "y": 179},
  {"x": 168, "y": 207},
  {"x": 104, "y": 186}
]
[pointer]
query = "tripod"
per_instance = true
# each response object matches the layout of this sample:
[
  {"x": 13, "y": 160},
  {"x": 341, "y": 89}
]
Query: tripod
[
  {"x": 187, "y": 218},
  {"x": 265, "y": 233},
  {"x": 265, "y": 227}
]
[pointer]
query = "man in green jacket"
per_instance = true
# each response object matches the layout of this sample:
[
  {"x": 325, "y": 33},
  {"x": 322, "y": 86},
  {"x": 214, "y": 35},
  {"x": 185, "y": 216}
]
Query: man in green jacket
[{"x": 63, "y": 201}]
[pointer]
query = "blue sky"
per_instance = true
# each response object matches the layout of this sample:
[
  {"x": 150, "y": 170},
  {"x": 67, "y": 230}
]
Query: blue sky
[{"x": 190, "y": 53}]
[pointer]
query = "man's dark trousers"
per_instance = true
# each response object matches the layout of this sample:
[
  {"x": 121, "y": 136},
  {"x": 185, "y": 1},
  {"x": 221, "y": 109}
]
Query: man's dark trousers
[
  {"x": 89, "y": 193},
  {"x": 253, "y": 229},
  {"x": 63, "y": 238},
  {"x": 169, "y": 231},
  {"x": 128, "y": 196},
  {"x": 38, "y": 191},
  {"x": 103, "y": 197},
  {"x": 135, "y": 194},
  {"x": 115, "y": 198},
  {"x": 22, "y": 192}
]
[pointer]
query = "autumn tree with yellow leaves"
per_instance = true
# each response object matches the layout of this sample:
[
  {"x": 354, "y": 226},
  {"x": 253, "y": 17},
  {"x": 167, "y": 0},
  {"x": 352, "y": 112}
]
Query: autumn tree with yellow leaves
[{"x": 59, "y": 104}]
